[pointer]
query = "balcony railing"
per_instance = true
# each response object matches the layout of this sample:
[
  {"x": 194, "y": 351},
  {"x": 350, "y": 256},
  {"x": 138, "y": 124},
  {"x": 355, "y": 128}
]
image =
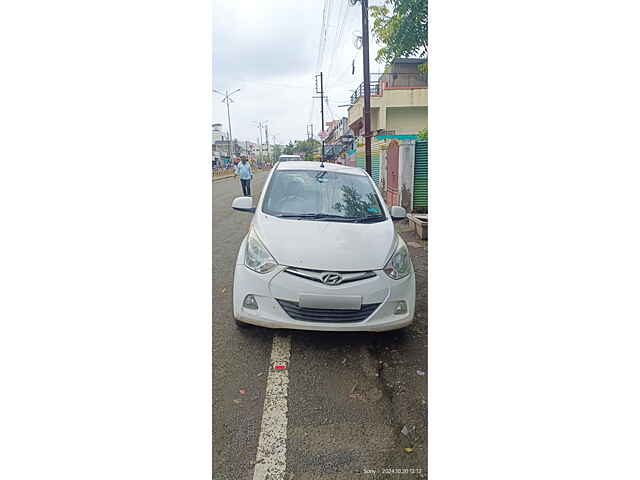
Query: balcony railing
[
  {"x": 359, "y": 92},
  {"x": 381, "y": 81}
]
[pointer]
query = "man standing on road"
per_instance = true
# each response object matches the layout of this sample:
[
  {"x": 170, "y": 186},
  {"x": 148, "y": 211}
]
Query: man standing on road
[{"x": 243, "y": 170}]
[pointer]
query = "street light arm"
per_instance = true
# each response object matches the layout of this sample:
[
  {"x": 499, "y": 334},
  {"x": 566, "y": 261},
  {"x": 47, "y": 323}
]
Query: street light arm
[
  {"x": 235, "y": 91},
  {"x": 216, "y": 91}
]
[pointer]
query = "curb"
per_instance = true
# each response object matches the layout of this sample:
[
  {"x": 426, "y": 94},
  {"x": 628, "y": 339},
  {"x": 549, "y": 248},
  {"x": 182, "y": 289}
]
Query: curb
[{"x": 222, "y": 177}]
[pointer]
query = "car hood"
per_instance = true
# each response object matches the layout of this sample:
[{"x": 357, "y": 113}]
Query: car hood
[{"x": 332, "y": 246}]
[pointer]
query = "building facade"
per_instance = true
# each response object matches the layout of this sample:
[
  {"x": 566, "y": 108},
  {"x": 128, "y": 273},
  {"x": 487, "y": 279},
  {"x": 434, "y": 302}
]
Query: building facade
[
  {"x": 398, "y": 101},
  {"x": 217, "y": 133},
  {"x": 399, "y": 112}
]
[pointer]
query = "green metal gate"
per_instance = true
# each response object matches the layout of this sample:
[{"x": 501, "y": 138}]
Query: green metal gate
[
  {"x": 375, "y": 160},
  {"x": 360, "y": 158},
  {"x": 420, "y": 177}
]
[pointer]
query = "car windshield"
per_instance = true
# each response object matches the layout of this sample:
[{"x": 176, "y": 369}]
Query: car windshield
[{"x": 322, "y": 195}]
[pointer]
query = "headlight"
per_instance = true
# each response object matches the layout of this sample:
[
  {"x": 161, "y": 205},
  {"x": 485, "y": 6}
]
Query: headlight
[
  {"x": 399, "y": 265},
  {"x": 257, "y": 257}
]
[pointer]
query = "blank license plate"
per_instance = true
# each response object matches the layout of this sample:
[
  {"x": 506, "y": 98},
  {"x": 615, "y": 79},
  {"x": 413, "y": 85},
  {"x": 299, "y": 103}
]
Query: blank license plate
[{"x": 337, "y": 302}]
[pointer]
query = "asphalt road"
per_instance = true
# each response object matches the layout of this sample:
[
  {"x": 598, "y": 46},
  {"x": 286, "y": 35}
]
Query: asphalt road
[{"x": 349, "y": 394}]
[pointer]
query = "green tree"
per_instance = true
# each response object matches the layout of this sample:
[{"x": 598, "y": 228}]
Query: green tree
[
  {"x": 401, "y": 26},
  {"x": 276, "y": 152},
  {"x": 307, "y": 147},
  {"x": 354, "y": 205},
  {"x": 289, "y": 149}
]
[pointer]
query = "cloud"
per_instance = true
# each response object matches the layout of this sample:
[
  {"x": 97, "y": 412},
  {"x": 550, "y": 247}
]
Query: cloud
[{"x": 269, "y": 50}]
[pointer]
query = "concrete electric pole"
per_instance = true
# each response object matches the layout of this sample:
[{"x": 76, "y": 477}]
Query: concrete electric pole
[
  {"x": 266, "y": 136},
  {"x": 367, "y": 84},
  {"x": 260, "y": 125},
  {"x": 321, "y": 92}
]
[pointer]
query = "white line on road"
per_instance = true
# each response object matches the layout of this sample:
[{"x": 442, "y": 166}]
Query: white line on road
[{"x": 271, "y": 459}]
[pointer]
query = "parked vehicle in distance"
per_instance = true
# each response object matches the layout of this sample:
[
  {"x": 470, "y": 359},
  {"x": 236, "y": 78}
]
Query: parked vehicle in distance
[
  {"x": 289, "y": 158},
  {"x": 322, "y": 253}
]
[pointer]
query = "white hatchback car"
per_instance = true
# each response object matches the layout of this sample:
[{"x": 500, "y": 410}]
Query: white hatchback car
[{"x": 322, "y": 254}]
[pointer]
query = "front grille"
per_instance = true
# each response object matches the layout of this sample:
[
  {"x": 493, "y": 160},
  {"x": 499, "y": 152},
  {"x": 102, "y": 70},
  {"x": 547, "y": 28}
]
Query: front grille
[
  {"x": 327, "y": 314},
  {"x": 317, "y": 275}
]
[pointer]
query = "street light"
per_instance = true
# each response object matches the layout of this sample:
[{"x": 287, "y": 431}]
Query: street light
[
  {"x": 227, "y": 100},
  {"x": 260, "y": 125},
  {"x": 274, "y": 137}
]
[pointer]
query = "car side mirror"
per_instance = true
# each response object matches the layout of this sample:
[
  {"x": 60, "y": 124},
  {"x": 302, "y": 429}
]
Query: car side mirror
[
  {"x": 398, "y": 213},
  {"x": 243, "y": 204}
]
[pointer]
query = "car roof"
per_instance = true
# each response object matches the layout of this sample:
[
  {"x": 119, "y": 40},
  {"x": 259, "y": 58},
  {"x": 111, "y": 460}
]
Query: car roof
[{"x": 330, "y": 167}]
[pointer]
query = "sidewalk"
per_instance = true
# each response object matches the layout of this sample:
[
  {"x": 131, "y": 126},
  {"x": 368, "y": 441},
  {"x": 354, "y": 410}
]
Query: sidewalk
[
  {"x": 222, "y": 177},
  {"x": 231, "y": 175}
]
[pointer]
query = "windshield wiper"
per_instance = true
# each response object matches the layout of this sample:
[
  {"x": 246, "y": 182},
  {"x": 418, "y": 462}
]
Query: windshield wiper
[
  {"x": 296, "y": 215},
  {"x": 370, "y": 219},
  {"x": 317, "y": 216}
]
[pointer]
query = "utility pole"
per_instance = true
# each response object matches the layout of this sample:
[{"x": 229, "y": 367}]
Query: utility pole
[
  {"x": 266, "y": 135},
  {"x": 260, "y": 125},
  {"x": 322, "y": 115},
  {"x": 260, "y": 140},
  {"x": 321, "y": 92},
  {"x": 273, "y": 137},
  {"x": 366, "y": 113},
  {"x": 367, "y": 85},
  {"x": 227, "y": 100}
]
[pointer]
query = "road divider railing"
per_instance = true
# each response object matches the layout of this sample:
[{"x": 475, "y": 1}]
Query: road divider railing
[
  {"x": 229, "y": 172},
  {"x": 222, "y": 172}
]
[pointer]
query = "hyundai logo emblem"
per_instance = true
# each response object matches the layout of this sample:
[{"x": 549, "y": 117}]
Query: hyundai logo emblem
[{"x": 331, "y": 279}]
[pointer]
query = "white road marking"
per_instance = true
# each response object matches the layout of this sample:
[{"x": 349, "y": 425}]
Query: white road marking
[{"x": 271, "y": 459}]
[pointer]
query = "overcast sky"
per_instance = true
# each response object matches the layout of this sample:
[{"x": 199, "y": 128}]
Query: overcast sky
[{"x": 269, "y": 50}]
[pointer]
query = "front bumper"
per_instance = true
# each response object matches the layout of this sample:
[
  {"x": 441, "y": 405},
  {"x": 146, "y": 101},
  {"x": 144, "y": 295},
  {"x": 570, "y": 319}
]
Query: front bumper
[{"x": 267, "y": 288}]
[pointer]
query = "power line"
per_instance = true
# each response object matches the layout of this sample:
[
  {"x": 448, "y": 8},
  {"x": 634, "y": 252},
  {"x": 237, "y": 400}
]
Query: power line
[
  {"x": 340, "y": 77},
  {"x": 311, "y": 107},
  {"x": 343, "y": 15},
  {"x": 261, "y": 82},
  {"x": 323, "y": 37},
  {"x": 326, "y": 30},
  {"x": 327, "y": 26},
  {"x": 338, "y": 47},
  {"x": 333, "y": 117}
]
